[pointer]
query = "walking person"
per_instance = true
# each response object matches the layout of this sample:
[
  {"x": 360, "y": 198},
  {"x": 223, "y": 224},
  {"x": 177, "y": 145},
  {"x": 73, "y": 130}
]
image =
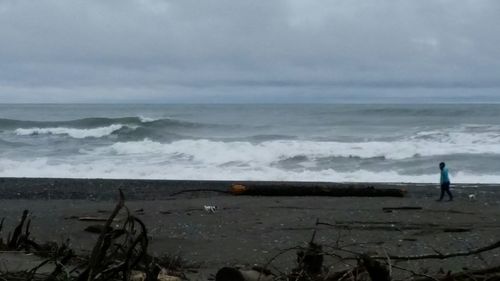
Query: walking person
[{"x": 445, "y": 182}]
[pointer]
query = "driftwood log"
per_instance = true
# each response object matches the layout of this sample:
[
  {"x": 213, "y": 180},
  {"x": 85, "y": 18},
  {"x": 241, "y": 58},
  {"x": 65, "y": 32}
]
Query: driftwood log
[{"x": 327, "y": 189}]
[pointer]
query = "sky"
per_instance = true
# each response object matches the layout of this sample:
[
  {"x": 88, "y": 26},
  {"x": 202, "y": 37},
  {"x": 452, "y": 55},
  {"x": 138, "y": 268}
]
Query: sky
[{"x": 230, "y": 51}]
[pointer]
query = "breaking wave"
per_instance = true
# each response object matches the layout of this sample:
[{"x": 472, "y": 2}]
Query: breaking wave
[
  {"x": 351, "y": 143},
  {"x": 72, "y": 132},
  {"x": 145, "y": 119},
  {"x": 130, "y": 128},
  {"x": 219, "y": 152},
  {"x": 85, "y": 123},
  {"x": 119, "y": 169}
]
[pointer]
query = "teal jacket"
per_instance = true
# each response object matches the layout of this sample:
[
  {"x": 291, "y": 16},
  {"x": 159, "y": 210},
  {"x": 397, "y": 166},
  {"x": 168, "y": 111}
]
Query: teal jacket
[{"x": 444, "y": 175}]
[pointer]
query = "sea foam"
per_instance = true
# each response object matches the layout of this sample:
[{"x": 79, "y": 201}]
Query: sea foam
[
  {"x": 72, "y": 132},
  {"x": 220, "y": 152},
  {"x": 119, "y": 169}
]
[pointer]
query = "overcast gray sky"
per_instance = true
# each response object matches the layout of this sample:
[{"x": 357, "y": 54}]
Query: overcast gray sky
[{"x": 249, "y": 51}]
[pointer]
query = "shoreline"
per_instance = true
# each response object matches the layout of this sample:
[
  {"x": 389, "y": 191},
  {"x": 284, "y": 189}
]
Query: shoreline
[{"x": 146, "y": 189}]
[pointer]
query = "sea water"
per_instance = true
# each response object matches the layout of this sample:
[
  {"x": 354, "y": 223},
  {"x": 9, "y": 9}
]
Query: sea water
[{"x": 331, "y": 142}]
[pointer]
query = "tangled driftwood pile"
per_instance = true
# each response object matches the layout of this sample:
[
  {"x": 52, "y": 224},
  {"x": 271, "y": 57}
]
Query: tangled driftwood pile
[
  {"x": 310, "y": 266},
  {"x": 120, "y": 253}
]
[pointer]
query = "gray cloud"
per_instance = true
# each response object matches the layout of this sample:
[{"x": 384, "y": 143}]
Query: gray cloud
[{"x": 154, "y": 50}]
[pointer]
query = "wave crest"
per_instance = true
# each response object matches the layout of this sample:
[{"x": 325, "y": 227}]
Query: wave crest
[
  {"x": 86, "y": 123},
  {"x": 265, "y": 153},
  {"x": 72, "y": 132}
]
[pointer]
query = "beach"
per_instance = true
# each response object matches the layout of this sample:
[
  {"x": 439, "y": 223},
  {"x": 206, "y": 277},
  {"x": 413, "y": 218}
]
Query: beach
[
  {"x": 250, "y": 230},
  {"x": 161, "y": 140}
]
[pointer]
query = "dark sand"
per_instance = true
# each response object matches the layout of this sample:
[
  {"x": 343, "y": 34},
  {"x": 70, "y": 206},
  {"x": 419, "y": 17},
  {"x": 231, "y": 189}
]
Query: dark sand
[{"x": 250, "y": 230}]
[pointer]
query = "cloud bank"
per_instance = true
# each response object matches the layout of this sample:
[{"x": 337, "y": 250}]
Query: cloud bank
[{"x": 249, "y": 51}]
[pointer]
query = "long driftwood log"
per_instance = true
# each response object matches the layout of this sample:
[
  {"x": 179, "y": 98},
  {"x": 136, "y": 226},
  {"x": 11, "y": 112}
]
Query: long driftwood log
[{"x": 327, "y": 189}]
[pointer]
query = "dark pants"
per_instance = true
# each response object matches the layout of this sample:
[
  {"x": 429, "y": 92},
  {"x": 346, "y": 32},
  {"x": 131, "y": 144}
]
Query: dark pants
[{"x": 445, "y": 187}]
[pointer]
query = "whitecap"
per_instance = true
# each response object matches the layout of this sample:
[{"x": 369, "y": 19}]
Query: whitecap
[
  {"x": 145, "y": 119},
  {"x": 118, "y": 168},
  {"x": 72, "y": 132},
  {"x": 265, "y": 153}
]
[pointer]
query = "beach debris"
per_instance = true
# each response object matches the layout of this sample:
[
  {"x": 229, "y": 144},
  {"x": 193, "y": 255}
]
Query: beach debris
[
  {"x": 317, "y": 189},
  {"x": 376, "y": 270},
  {"x": 304, "y": 189},
  {"x": 229, "y": 274},
  {"x": 137, "y": 275},
  {"x": 71, "y": 218},
  {"x": 97, "y": 228},
  {"x": 401, "y": 208},
  {"x": 309, "y": 262},
  {"x": 237, "y": 189},
  {"x": 210, "y": 208},
  {"x": 244, "y": 274},
  {"x": 457, "y": 229},
  {"x": 410, "y": 239},
  {"x": 120, "y": 253},
  {"x": 165, "y": 275},
  {"x": 373, "y": 267},
  {"x": 115, "y": 254},
  {"x": 438, "y": 255},
  {"x": 88, "y": 218},
  {"x": 199, "y": 190},
  {"x": 256, "y": 274},
  {"x": 472, "y": 197},
  {"x": 20, "y": 239}
]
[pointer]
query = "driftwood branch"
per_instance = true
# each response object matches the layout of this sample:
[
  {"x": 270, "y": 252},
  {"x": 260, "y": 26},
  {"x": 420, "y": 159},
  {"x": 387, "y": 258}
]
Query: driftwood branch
[
  {"x": 438, "y": 255},
  {"x": 17, "y": 234},
  {"x": 198, "y": 190},
  {"x": 401, "y": 208},
  {"x": 491, "y": 274},
  {"x": 102, "y": 244}
]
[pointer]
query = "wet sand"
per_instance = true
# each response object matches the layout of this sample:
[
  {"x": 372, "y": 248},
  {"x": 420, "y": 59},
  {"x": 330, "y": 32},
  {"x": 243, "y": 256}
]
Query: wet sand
[{"x": 250, "y": 230}]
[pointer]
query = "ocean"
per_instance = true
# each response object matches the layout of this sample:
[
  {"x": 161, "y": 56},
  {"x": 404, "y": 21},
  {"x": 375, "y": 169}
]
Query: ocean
[{"x": 330, "y": 142}]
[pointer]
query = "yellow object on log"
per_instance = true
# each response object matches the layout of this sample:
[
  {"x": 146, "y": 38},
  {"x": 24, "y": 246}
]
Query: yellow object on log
[{"x": 237, "y": 189}]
